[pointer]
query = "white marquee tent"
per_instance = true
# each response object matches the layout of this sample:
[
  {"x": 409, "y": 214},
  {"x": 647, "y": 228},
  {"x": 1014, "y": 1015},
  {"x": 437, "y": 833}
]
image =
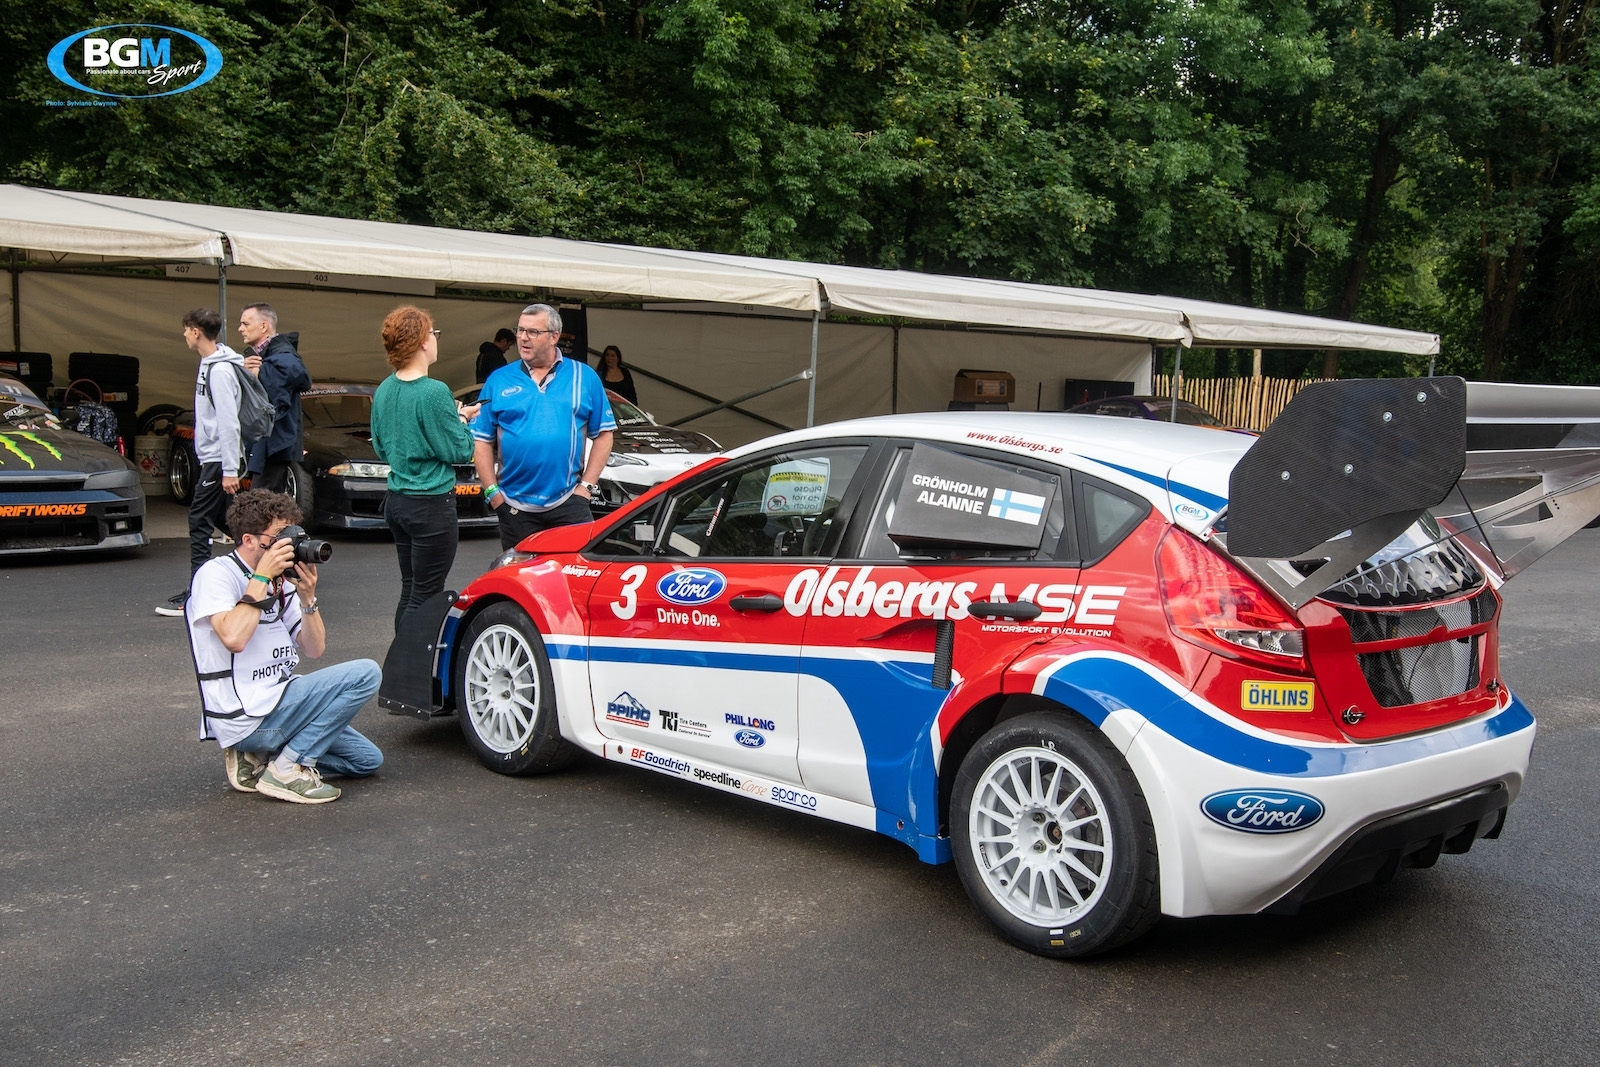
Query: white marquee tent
[{"x": 713, "y": 325}]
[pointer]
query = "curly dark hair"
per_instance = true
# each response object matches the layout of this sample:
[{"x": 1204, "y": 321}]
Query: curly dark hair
[{"x": 253, "y": 510}]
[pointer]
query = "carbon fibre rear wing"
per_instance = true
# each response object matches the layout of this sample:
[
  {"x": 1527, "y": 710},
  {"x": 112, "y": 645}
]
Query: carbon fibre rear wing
[{"x": 1364, "y": 484}]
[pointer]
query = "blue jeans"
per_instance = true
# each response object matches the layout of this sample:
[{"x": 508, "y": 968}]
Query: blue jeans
[{"x": 313, "y": 720}]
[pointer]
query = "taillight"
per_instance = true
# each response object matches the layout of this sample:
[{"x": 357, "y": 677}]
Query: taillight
[{"x": 1211, "y": 603}]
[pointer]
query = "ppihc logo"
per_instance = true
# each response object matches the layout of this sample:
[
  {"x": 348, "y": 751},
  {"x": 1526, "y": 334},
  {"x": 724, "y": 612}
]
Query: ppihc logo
[{"x": 134, "y": 61}]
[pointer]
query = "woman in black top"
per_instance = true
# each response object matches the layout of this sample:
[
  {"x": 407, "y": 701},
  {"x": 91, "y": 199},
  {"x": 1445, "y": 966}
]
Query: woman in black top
[{"x": 615, "y": 376}]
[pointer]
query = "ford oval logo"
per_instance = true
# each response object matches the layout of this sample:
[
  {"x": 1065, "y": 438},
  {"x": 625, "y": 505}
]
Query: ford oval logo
[
  {"x": 691, "y": 586},
  {"x": 1262, "y": 811},
  {"x": 750, "y": 738}
]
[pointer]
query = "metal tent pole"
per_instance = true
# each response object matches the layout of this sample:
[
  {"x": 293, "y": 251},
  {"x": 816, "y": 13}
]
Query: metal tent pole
[
  {"x": 1177, "y": 376},
  {"x": 222, "y": 296},
  {"x": 811, "y": 395},
  {"x": 16, "y": 304},
  {"x": 1431, "y": 361},
  {"x": 894, "y": 372}
]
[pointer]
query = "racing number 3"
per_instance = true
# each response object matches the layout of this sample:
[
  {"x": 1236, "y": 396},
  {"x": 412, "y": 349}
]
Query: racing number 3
[{"x": 632, "y": 578}]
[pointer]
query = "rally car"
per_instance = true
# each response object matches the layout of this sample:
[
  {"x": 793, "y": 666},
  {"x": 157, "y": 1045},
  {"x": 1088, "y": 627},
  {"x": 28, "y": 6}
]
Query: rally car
[
  {"x": 61, "y": 491},
  {"x": 1113, "y": 669},
  {"x": 643, "y": 452}
]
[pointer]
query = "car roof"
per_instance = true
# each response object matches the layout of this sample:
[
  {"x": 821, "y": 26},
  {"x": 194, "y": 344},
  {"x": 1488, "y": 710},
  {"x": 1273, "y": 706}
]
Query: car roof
[{"x": 1158, "y": 460}]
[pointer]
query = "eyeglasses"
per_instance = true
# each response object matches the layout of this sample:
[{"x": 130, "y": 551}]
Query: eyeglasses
[
  {"x": 436, "y": 333},
  {"x": 523, "y": 331}
]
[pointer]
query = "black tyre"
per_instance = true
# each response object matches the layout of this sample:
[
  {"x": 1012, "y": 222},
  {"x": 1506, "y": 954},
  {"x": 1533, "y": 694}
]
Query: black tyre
[
  {"x": 1053, "y": 839},
  {"x": 505, "y": 695},
  {"x": 158, "y": 419},
  {"x": 298, "y": 484},
  {"x": 106, "y": 371},
  {"x": 182, "y": 470}
]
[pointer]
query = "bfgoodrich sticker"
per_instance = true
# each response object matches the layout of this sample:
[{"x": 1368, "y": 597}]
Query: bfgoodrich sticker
[{"x": 134, "y": 61}]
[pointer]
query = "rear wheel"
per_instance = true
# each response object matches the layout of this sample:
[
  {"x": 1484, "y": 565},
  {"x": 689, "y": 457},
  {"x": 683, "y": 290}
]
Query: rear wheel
[
  {"x": 505, "y": 695},
  {"x": 1053, "y": 839}
]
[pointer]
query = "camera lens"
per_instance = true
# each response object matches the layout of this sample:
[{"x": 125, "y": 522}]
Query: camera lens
[{"x": 310, "y": 550}]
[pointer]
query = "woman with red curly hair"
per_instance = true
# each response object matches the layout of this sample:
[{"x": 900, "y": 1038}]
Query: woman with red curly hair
[{"x": 420, "y": 431}]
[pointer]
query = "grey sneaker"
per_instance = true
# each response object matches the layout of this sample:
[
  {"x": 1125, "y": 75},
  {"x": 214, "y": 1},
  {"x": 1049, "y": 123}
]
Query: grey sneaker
[
  {"x": 304, "y": 786},
  {"x": 173, "y": 606},
  {"x": 243, "y": 769}
]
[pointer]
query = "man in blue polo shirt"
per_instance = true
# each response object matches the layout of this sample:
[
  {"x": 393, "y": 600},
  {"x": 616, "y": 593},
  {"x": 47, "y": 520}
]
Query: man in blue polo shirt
[{"x": 537, "y": 413}]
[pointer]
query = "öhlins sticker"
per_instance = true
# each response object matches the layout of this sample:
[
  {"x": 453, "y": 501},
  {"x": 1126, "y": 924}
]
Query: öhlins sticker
[{"x": 1276, "y": 696}]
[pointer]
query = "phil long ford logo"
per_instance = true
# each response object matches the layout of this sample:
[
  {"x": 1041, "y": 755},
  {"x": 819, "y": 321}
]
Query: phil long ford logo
[{"x": 135, "y": 61}]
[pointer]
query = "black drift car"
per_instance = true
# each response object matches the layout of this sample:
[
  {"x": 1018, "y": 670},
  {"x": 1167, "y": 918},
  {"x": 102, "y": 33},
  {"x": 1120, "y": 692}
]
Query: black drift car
[{"x": 61, "y": 491}]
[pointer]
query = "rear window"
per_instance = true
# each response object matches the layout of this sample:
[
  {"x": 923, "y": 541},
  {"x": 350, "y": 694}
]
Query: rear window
[{"x": 1106, "y": 515}]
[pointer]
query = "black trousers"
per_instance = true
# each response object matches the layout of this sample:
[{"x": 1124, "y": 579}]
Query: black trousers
[
  {"x": 274, "y": 476},
  {"x": 207, "y": 509},
  {"x": 514, "y": 526},
  {"x": 426, "y": 532}
]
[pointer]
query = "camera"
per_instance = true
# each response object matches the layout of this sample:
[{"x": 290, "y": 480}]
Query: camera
[{"x": 307, "y": 549}]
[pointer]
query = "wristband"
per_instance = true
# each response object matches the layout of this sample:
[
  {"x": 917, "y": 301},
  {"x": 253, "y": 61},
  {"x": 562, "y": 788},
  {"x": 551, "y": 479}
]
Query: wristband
[
  {"x": 261, "y": 578},
  {"x": 491, "y": 491}
]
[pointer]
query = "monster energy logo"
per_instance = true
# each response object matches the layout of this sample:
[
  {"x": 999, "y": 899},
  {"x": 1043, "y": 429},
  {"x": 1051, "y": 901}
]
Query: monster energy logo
[{"x": 9, "y": 444}]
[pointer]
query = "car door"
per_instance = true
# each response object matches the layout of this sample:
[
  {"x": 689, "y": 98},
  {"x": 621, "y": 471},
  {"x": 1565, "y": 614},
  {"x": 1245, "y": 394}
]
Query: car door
[
  {"x": 869, "y": 698},
  {"x": 692, "y": 649}
]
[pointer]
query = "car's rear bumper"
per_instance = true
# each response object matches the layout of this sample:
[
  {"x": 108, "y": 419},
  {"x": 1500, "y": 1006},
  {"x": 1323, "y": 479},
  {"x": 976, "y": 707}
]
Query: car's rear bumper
[
  {"x": 1396, "y": 804},
  {"x": 1369, "y": 809}
]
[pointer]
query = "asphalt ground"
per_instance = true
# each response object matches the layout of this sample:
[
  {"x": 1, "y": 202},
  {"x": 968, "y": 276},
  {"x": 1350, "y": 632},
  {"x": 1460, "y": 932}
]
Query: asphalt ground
[{"x": 440, "y": 913}]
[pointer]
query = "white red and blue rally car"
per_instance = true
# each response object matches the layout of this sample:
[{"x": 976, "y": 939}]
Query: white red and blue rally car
[{"x": 1113, "y": 669}]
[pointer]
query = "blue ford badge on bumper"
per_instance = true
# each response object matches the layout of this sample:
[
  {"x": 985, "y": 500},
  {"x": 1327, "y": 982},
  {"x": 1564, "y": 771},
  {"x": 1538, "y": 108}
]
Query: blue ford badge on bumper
[{"x": 1262, "y": 811}]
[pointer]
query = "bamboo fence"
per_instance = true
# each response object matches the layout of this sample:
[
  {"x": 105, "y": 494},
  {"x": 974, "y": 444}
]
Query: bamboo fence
[{"x": 1245, "y": 403}]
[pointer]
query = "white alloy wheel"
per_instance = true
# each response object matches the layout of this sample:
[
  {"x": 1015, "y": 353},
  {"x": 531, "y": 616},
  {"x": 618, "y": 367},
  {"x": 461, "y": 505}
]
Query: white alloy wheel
[
  {"x": 502, "y": 689},
  {"x": 1041, "y": 836}
]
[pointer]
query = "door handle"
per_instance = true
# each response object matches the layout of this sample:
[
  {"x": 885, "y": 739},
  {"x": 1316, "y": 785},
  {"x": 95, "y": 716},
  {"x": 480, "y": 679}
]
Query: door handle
[
  {"x": 756, "y": 602},
  {"x": 1025, "y": 610}
]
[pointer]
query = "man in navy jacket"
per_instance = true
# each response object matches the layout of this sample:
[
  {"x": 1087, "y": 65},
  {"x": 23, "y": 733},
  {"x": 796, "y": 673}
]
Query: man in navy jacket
[{"x": 283, "y": 375}]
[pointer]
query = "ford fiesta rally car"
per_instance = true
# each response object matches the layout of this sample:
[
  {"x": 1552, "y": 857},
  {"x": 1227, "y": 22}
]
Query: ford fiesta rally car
[{"x": 1113, "y": 669}]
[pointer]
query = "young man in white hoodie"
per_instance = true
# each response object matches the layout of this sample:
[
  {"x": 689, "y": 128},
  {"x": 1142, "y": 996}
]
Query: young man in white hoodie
[{"x": 217, "y": 444}]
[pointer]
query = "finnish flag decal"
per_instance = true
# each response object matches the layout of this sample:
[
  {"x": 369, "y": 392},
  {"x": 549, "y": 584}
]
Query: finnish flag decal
[{"x": 1018, "y": 507}]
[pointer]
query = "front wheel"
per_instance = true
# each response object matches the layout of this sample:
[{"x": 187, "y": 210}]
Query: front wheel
[
  {"x": 298, "y": 484},
  {"x": 1053, "y": 839},
  {"x": 505, "y": 695}
]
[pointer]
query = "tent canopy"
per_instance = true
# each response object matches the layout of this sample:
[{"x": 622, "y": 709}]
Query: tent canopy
[{"x": 125, "y": 228}]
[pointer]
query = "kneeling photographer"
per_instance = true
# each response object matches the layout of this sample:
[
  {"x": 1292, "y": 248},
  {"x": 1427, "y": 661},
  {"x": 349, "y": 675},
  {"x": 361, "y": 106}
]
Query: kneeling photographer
[{"x": 250, "y": 615}]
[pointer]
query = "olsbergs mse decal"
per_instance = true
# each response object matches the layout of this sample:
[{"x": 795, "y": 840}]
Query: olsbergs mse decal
[
  {"x": 691, "y": 586},
  {"x": 1262, "y": 811}
]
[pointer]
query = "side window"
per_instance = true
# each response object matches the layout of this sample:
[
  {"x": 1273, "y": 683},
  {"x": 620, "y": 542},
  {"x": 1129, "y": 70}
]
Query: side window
[
  {"x": 782, "y": 507},
  {"x": 632, "y": 538},
  {"x": 1106, "y": 514},
  {"x": 1057, "y": 543}
]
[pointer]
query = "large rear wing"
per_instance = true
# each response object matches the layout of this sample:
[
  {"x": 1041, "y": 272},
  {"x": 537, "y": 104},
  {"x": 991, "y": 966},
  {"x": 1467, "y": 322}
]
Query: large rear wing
[{"x": 1362, "y": 482}]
